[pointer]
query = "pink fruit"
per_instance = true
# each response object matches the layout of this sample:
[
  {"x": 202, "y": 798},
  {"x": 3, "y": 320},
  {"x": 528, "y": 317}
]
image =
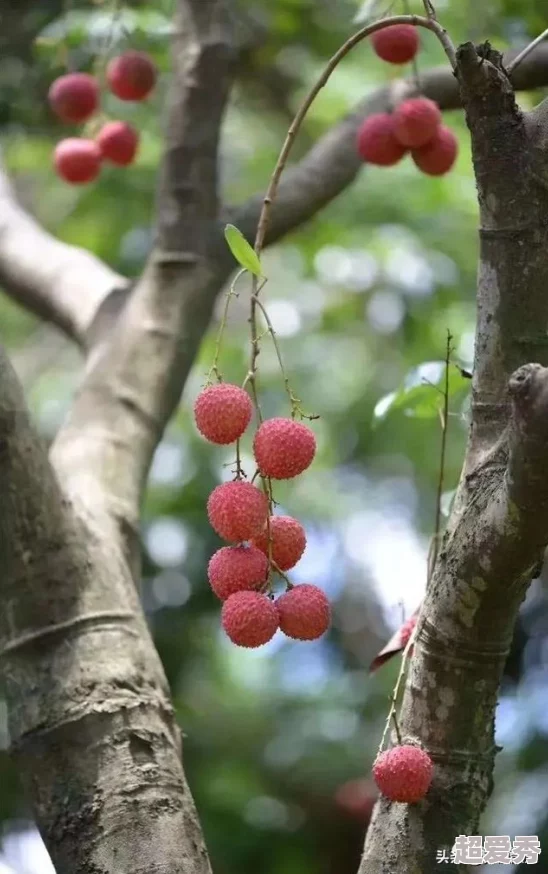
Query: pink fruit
[
  {"x": 77, "y": 160},
  {"x": 377, "y": 142},
  {"x": 131, "y": 76},
  {"x": 403, "y": 773},
  {"x": 74, "y": 97},
  {"x": 397, "y": 44},
  {"x": 222, "y": 412},
  {"x": 235, "y": 569},
  {"x": 249, "y": 619},
  {"x": 304, "y": 612},
  {"x": 237, "y": 510},
  {"x": 283, "y": 448},
  {"x": 118, "y": 142}
]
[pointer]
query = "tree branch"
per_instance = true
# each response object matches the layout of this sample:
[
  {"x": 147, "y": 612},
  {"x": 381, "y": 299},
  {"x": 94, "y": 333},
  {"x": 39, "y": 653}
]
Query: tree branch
[
  {"x": 90, "y": 718},
  {"x": 60, "y": 283},
  {"x": 498, "y": 529},
  {"x": 332, "y": 163},
  {"x": 135, "y": 383}
]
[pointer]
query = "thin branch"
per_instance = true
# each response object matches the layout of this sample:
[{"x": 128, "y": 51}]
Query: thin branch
[
  {"x": 444, "y": 427},
  {"x": 134, "y": 385},
  {"x": 526, "y": 51},
  {"x": 62, "y": 284},
  {"x": 81, "y": 676}
]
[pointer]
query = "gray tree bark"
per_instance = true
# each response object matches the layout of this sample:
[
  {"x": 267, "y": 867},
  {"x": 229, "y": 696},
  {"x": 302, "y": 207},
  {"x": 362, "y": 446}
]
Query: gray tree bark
[
  {"x": 91, "y": 720},
  {"x": 498, "y": 531}
]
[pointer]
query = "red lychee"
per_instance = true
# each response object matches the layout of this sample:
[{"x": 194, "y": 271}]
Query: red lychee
[
  {"x": 438, "y": 156},
  {"x": 222, "y": 412},
  {"x": 283, "y": 448},
  {"x": 397, "y": 44},
  {"x": 377, "y": 142},
  {"x": 249, "y": 618},
  {"x": 416, "y": 121},
  {"x": 235, "y": 569},
  {"x": 131, "y": 76},
  {"x": 304, "y": 612},
  {"x": 118, "y": 142},
  {"x": 403, "y": 773},
  {"x": 77, "y": 160},
  {"x": 74, "y": 97},
  {"x": 237, "y": 511},
  {"x": 288, "y": 541}
]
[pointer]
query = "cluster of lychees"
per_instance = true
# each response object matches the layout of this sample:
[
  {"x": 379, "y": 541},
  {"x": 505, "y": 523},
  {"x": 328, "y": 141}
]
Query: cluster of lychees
[
  {"x": 415, "y": 125},
  {"x": 75, "y": 98},
  {"x": 261, "y": 543}
]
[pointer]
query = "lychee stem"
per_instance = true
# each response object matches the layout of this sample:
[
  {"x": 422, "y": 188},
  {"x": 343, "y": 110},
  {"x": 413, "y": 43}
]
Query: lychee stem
[
  {"x": 395, "y": 693},
  {"x": 214, "y": 369}
]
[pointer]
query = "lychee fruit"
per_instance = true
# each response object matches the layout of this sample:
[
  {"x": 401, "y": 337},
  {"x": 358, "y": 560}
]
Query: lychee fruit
[
  {"x": 288, "y": 541},
  {"x": 438, "y": 156},
  {"x": 403, "y": 773},
  {"x": 118, "y": 142},
  {"x": 131, "y": 76},
  {"x": 416, "y": 121},
  {"x": 77, "y": 160},
  {"x": 283, "y": 448},
  {"x": 249, "y": 618},
  {"x": 74, "y": 97},
  {"x": 235, "y": 569},
  {"x": 377, "y": 142},
  {"x": 222, "y": 412},
  {"x": 304, "y": 612},
  {"x": 237, "y": 510},
  {"x": 397, "y": 44}
]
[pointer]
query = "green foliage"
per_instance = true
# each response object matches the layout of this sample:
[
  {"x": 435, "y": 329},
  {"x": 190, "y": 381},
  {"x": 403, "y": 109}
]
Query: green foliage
[{"x": 244, "y": 254}]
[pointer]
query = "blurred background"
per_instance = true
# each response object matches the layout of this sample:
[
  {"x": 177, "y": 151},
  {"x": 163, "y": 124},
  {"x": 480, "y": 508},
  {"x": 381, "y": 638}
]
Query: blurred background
[{"x": 279, "y": 742}]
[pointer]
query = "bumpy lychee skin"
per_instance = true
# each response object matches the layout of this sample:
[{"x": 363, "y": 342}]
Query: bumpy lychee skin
[
  {"x": 416, "y": 121},
  {"x": 288, "y": 541},
  {"x": 74, "y": 97},
  {"x": 249, "y": 619},
  {"x": 304, "y": 612},
  {"x": 283, "y": 448},
  {"x": 377, "y": 142},
  {"x": 237, "y": 511},
  {"x": 404, "y": 773},
  {"x": 77, "y": 160},
  {"x": 438, "y": 156},
  {"x": 396, "y": 44},
  {"x": 118, "y": 142},
  {"x": 236, "y": 569},
  {"x": 131, "y": 76},
  {"x": 222, "y": 412}
]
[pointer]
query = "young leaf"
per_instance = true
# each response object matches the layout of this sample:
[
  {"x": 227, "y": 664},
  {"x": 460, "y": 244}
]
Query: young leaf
[{"x": 244, "y": 254}]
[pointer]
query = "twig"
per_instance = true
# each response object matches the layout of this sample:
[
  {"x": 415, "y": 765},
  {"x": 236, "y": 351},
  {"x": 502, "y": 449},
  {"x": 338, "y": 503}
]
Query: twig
[
  {"x": 444, "y": 420},
  {"x": 429, "y": 9},
  {"x": 395, "y": 693},
  {"x": 214, "y": 369},
  {"x": 414, "y": 62},
  {"x": 526, "y": 51}
]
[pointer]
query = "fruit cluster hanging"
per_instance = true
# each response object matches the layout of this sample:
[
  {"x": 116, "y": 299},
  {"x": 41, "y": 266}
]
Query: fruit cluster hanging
[
  {"x": 75, "y": 98},
  {"x": 415, "y": 125}
]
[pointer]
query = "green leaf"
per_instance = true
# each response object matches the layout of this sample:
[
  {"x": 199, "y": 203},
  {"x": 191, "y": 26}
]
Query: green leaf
[
  {"x": 242, "y": 251},
  {"x": 421, "y": 395}
]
